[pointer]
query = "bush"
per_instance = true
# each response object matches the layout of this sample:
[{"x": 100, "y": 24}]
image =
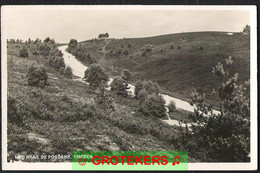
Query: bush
[
  {"x": 143, "y": 94},
  {"x": 95, "y": 76},
  {"x": 179, "y": 47},
  {"x": 23, "y": 52},
  {"x": 171, "y": 47},
  {"x": 147, "y": 50},
  {"x": 126, "y": 75},
  {"x": 153, "y": 106},
  {"x": 37, "y": 76},
  {"x": 68, "y": 72},
  {"x": 149, "y": 86},
  {"x": 119, "y": 86},
  {"x": 172, "y": 106}
]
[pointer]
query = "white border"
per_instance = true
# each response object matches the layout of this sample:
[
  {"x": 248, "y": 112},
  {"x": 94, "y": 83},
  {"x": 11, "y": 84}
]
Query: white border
[{"x": 192, "y": 166}]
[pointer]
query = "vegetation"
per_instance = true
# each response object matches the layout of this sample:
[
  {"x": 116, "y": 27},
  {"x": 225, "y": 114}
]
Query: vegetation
[
  {"x": 106, "y": 35},
  {"x": 37, "y": 76},
  {"x": 172, "y": 106},
  {"x": 119, "y": 86},
  {"x": 126, "y": 75},
  {"x": 23, "y": 52},
  {"x": 246, "y": 29},
  {"x": 149, "y": 86},
  {"x": 95, "y": 75},
  {"x": 153, "y": 106},
  {"x": 68, "y": 72},
  {"x": 223, "y": 137}
]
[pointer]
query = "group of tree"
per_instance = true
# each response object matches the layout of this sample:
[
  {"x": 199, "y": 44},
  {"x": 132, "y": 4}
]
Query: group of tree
[
  {"x": 246, "y": 29},
  {"x": 224, "y": 136},
  {"x": 106, "y": 35},
  {"x": 80, "y": 52}
]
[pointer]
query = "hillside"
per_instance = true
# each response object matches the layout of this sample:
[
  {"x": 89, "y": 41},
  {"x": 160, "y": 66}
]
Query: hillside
[
  {"x": 179, "y": 69},
  {"x": 64, "y": 116}
]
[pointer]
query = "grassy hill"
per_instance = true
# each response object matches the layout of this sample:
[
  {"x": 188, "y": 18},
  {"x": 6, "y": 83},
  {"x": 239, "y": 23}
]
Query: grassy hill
[
  {"x": 64, "y": 116},
  {"x": 178, "y": 70}
]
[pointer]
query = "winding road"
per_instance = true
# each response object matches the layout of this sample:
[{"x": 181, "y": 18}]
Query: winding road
[{"x": 79, "y": 70}]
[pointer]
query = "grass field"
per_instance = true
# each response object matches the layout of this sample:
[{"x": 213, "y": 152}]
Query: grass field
[
  {"x": 64, "y": 117},
  {"x": 178, "y": 71}
]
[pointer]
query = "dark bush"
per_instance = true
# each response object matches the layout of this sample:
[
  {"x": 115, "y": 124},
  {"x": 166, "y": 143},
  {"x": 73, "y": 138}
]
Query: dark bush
[
  {"x": 119, "y": 86},
  {"x": 95, "y": 75},
  {"x": 172, "y": 106},
  {"x": 68, "y": 72},
  {"x": 37, "y": 76},
  {"x": 153, "y": 106},
  {"x": 171, "y": 47},
  {"x": 126, "y": 75}
]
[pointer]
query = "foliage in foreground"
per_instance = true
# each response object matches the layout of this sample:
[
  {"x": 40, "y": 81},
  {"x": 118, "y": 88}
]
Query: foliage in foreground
[{"x": 223, "y": 137}]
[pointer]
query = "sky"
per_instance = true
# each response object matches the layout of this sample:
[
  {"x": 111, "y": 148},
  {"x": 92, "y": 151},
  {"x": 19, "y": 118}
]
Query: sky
[{"x": 64, "y": 23}]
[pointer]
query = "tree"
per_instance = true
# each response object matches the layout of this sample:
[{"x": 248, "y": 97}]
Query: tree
[
  {"x": 68, "y": 72},
  {"x": 172, "y": 106},
  {"x": 23, "y": 52},
  {"x": 246, "y": 29},
  {"x": 119, "y": 86},
  {"x": 222, "y": 137},
  {"x": 153, "y": 106},
  {"x": 147, "y": 50},
  {"x": 95, "y": 75},
  {"x": 37, "y": 76},
  {"x": 12, "y": 113},
  {"x": 171, "y": 47},
  {"x": 126, "y": 75},
  {"x": 72, "y": 44}
]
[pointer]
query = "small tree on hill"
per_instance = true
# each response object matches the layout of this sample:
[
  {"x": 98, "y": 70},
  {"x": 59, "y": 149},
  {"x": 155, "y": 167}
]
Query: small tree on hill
[
  {"x": 95, "y": 76},
  {"x": 119, "y": 86},
  {"x": 68, "y": 72},
  {"x": 153, "y": 106},
  {"x": 246, "y": 29},
  {"x": 23, "y": 52},
  {"x": 37, "y": 76},
  {"x": 126, "y": 75},
  {"x": 172, "y": 106}
]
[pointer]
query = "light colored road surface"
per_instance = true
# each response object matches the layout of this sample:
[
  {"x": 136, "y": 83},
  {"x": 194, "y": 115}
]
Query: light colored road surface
[{"x": 78, "y": 69}]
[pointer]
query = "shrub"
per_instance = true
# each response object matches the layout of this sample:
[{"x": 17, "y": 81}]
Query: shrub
[
  {"x": 68, "y": 72},
  {"x": 172, "y": 106},
  {"x": 179, "y": 47},
  {"x": 171, "y": 47},
  {"x": 58, "y": 63},
  {"x": 149, "y": 86},
  {"x": 23, "y": 52},
  {"x": 95, "y": 75},
  {"x": 143, "y": 94},
  {"x": 129, "y": 45},
  {"x": 37, "y": 76},
  {"x": 153, "y": 106},
  {"x": 119, "y": 86},
  {"x": 126, "y": 75},
  {"x": 147, "y": 50}
]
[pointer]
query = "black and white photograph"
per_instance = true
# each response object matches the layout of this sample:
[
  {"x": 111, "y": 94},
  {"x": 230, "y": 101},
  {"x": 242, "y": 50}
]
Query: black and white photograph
[{"x": 129, "y": 78}]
